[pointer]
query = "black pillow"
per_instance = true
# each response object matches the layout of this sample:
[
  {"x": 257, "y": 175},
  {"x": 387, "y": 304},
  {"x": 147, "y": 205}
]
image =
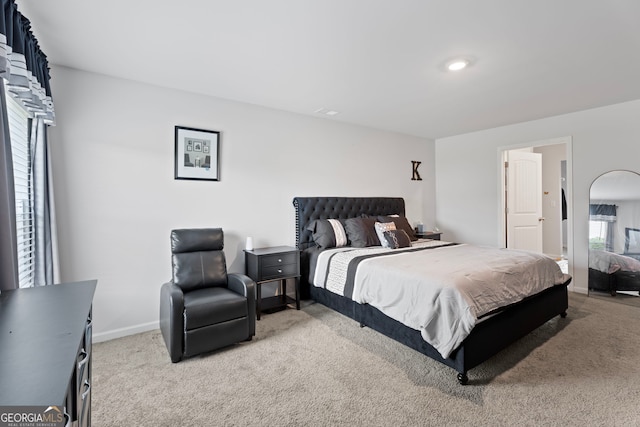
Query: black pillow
[
  {"x": 328, "y": 233},
  {"x": 397, "y": 239},
  {"x": 401, "y": 223},
  {"x": 362, "y": 232}
]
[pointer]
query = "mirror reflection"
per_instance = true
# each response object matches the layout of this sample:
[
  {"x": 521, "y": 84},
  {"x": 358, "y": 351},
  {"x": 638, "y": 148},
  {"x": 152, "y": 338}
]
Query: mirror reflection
[{"x": 614, "y": 235}]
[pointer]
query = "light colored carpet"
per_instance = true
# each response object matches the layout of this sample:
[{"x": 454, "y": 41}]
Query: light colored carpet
[
  {"x": 314, "y": 367},
  {"x": 628, "y": 298}
]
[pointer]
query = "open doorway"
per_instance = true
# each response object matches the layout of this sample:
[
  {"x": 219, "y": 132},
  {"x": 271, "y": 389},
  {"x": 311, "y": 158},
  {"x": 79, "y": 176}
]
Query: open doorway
[{"x": 536, "y": 195}]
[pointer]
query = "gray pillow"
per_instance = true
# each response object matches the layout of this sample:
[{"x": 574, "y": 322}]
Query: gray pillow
[
  {"x": 328, "y": 233},
  {"x": 397, "y": 239},
  {"x": 362, "y": 232},
  {"x": 401, "y": 223}
]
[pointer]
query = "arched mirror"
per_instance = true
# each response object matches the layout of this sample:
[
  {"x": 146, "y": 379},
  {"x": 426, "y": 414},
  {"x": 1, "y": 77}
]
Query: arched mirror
[{"x": 614, "y": 236}]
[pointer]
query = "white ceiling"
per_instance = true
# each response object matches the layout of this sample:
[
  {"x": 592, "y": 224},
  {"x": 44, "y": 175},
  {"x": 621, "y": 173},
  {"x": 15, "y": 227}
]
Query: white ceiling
[{"x": 377, "y": 62}]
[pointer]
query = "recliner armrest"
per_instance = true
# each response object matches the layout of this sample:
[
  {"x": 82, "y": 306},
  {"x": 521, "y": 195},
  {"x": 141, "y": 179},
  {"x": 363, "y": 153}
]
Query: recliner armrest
[
  {"x": 245, "y": 286},
  {"x": 172, "y": 319},
  {"x": 241, "y": 284}
]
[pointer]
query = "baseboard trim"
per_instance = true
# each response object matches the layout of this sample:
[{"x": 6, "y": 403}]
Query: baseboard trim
[
  {"x": 579, "y": 290},
  {"x": 123, "y": 332}
]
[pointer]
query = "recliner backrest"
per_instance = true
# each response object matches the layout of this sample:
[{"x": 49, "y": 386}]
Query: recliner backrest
[{"x": 198, "y": 259}]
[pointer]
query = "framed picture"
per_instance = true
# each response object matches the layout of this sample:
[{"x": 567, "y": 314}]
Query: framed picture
[{"x": 197, "y": 154}]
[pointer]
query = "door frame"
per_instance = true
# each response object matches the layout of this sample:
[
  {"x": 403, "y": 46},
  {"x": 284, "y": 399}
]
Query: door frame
[{"x": 502, "y": 218}]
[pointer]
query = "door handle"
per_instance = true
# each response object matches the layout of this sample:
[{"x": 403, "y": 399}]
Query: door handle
[{"x": 541, "y": 219}]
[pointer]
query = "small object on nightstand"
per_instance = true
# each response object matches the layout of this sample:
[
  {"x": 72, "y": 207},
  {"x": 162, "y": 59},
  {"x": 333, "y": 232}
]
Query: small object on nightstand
[
  {"x": 435, "y": 235},
  {"x": 269, "y": 265}
]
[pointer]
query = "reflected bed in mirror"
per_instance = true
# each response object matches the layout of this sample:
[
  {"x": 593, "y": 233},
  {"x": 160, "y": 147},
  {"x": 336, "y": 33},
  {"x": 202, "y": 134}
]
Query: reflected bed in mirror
[{"x": 614, "y": 236}]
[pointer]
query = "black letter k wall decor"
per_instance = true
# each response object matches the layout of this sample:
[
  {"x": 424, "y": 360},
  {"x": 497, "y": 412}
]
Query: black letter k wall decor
[{"x": 416, "y": 175}]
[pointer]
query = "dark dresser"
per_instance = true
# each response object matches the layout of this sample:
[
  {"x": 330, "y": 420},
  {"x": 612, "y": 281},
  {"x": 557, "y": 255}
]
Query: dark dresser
[{"x": 45, "y": 354}]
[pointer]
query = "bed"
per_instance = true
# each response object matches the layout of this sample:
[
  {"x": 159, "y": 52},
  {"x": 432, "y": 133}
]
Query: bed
[
  {"x": 489, "y": 335},
  {"x": 611, "y": 272}
]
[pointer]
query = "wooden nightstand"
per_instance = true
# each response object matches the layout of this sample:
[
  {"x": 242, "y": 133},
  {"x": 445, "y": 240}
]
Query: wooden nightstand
[
  {"x": 435, "y": 235},
  {"x": 269, "y": 265}
]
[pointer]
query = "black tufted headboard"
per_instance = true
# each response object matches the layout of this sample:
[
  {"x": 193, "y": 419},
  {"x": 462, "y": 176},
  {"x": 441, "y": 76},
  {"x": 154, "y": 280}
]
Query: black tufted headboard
[{"x": 312, "y": 208}]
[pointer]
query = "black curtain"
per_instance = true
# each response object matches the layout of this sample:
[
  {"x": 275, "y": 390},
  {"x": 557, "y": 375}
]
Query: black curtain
[
  {"x": 602, "y": 213},
  {"x": 23, "y": 64}
]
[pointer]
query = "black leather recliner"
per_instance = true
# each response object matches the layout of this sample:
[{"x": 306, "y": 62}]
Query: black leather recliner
[{"x": 203, "y": 308}]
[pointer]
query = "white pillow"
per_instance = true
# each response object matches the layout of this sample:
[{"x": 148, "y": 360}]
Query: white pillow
[
  {"x": 381, "y": 227},
  {"x": 338, "y": 229}
]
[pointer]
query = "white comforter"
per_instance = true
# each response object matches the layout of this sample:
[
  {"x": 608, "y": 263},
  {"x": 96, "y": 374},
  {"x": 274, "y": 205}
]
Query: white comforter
[
  {"x": 443, "y": 291},
  {"x": 609, "y": 262}
]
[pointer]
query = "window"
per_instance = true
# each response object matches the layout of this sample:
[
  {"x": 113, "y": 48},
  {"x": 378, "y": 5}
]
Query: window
[
  {"x": 598, "y": 234},
  {"x": 19, "y": 130}
]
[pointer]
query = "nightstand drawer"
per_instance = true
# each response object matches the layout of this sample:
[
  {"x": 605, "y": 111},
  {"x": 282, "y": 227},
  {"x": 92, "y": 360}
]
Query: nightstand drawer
[
  {"x": 278, "y": 271},
  {"x": 266, "y": 264},
  {"x": 279, "y": 259},
  {"x": 434, "y": 235}
]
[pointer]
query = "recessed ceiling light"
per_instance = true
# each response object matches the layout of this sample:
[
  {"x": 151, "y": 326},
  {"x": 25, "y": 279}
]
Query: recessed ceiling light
[
  {"x": 327, "y": 112},
  {"x": 457, "y": 65}
]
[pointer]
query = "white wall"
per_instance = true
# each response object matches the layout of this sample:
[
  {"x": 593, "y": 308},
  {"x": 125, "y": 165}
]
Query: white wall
[
  {"x": 467, "y": 172},
  {"x": 117, "y": 200}
]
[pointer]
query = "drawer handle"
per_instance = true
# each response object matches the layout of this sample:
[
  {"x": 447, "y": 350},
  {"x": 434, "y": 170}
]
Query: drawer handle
[
  {"x": 85, "y": 358},
  {"x": 279, "y": 270},
  {"x": 87, "y": 390},
  {"x": 279, "y": 260}
]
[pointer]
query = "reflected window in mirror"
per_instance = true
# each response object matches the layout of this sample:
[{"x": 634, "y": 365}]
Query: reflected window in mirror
[
  {"x": 602, "y": 221},
  {"x": 598, "y": 231}
]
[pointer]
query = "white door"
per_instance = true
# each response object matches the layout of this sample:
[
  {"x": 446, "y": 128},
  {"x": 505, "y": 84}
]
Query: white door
[{"x": 524, "y": 200}]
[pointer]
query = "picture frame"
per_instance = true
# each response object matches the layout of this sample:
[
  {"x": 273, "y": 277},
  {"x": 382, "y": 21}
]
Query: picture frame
[{"x": 197, "y": 154}]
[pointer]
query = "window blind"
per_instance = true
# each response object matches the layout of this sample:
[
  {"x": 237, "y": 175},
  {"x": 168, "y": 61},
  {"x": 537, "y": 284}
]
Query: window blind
[{"x": 19, "y": 130}]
